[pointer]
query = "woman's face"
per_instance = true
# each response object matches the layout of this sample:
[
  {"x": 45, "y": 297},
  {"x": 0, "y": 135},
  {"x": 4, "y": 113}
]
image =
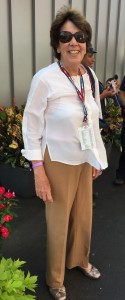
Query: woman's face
[{"x": 71, "y": 52}]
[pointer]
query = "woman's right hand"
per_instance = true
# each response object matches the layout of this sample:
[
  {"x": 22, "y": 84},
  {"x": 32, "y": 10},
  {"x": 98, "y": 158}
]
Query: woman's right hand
[{"x": 42, "y": 185}]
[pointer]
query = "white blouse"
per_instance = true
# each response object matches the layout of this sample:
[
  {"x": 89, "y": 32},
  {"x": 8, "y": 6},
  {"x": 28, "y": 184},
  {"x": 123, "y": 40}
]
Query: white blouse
[{"x": 54, "y": 113}]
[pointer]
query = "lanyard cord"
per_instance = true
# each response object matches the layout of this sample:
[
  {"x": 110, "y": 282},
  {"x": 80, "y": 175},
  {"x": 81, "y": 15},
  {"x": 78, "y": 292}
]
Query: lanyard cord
[{"x": 81, "y": 94}]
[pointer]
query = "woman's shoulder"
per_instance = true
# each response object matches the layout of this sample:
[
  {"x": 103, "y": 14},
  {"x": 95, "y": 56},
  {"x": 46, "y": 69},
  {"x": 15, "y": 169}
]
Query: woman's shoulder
[
  {"x": 90, "y": 71},
  {"x": 46, "y": 71}
]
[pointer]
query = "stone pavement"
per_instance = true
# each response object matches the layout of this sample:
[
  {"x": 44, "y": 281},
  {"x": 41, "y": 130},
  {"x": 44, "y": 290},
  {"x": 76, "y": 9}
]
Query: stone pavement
[{"x": 28, "y": 241}]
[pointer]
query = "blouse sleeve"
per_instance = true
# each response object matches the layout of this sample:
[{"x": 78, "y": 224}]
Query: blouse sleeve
[{"x": 34, "y": 119}]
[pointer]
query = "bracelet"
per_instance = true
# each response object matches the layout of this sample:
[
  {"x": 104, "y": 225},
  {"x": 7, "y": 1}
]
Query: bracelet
[{"x": 40, "y": 163}]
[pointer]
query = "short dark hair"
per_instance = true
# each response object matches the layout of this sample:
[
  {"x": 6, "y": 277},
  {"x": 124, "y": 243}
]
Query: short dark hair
[
  {"x": 88, "y": 47},
  {"x": 63, "y": 15}
]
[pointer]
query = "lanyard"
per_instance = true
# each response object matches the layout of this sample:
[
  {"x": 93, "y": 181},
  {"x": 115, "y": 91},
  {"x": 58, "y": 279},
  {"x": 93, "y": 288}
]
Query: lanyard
[{"x": 81, "y": 94}]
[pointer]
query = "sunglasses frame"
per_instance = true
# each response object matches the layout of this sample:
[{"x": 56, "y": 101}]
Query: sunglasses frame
[{"x": 69, "y": 36}]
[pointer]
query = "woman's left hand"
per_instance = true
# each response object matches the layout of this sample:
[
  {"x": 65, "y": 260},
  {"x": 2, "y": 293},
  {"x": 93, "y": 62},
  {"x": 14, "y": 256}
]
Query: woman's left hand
[{"x": 96, "y": 173}]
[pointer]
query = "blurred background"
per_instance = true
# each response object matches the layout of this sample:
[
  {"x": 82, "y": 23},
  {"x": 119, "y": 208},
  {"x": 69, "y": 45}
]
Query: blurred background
[{"x": 25, "y": 43}]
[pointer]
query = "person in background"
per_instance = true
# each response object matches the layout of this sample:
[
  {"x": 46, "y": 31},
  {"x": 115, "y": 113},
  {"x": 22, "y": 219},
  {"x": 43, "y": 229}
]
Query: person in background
[
  {"x": 89, "y": 57},
  {"x": 62, "y": 140},
  {"x": 112, "y": 84},
  {"x": 120, "y": 172},
  {"x": 88, "y": 61}
]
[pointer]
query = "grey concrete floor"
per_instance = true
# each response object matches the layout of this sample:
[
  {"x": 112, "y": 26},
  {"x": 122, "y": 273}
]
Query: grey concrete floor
[{"x": 28, "y": 241}]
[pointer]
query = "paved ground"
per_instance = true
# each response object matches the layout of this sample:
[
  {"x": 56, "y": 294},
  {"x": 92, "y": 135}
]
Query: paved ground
[{"x": 28, "y": 240}]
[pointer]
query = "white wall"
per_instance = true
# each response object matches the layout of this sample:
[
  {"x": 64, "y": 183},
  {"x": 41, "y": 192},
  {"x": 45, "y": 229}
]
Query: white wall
[
  {"x": 25, "y": 42},
  {"x": 4, "y": 55}
]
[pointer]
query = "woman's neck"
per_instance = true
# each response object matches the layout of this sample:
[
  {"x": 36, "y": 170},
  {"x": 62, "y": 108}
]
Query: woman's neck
[{"x": 73, "y": 70}]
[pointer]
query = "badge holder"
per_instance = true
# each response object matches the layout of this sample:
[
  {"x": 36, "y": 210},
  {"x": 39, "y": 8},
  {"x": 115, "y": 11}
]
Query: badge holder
[{"x": 86, "y": 136}]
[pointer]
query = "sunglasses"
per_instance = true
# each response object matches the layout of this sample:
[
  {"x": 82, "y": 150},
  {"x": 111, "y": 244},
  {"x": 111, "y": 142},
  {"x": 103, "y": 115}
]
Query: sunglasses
[{"x": 66, "y": 36}]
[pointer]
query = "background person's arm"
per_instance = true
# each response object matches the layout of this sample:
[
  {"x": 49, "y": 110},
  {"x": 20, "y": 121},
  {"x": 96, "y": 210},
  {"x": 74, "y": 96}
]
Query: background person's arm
[{"x": 107, "y": 94}]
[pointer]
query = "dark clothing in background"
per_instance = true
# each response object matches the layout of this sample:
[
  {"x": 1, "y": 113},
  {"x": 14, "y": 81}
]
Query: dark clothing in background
[
  {"x": 107, "y": 99},
  {"x": 120, "y": 172}
]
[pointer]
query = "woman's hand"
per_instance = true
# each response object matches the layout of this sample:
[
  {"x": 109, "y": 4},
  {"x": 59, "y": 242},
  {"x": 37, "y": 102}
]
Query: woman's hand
[
  {"x": 96, "y": 173},
  {"x": 42, "y": 185}
]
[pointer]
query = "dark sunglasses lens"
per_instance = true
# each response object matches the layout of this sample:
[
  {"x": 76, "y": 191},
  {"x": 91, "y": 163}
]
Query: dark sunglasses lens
[
  {"x": 80, "y": 37},
  {"x": 65, "y": 37}
]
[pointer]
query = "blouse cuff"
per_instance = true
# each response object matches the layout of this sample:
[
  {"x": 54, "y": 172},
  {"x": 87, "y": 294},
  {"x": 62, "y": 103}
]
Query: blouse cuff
[{"x": 32, "y": 154}]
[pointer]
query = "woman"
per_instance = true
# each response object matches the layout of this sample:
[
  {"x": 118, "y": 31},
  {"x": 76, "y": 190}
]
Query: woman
[{"x": 62, "y": 139}]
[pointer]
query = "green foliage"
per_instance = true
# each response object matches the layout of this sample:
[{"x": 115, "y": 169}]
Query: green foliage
[
  {"x": 13, "y": 282},
  {"x": 11, "y": 140},
  {"x": 113, "y": 117}
]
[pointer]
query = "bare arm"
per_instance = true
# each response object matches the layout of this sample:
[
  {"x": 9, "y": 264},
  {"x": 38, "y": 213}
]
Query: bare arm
[{"x": 107, "y": 93}]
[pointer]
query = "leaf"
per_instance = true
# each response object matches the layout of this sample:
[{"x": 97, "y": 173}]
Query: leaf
[
  {"x": 16, "y": 284},
  {"x": 26, "y": 297},
  {"x": 17, "y": 263},
  {"x": 13, "y": 282},
  {"x": 3, "y": 116},
  {"x": 5, "y": 296}
]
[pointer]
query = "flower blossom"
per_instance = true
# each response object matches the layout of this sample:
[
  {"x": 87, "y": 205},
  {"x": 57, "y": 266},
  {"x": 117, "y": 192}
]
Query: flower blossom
[
  {"x": 2, "y": 206},
  {"x": 7, "y": 218},
  {"x": 7, "y": 201},
  {"x": 13, "y": 145},
  {"x": 13, "y": 195},
  {"x": 5, "y": 232},
  {"x": 8, "y": 194},
  {"x": 2, "y": 190}
]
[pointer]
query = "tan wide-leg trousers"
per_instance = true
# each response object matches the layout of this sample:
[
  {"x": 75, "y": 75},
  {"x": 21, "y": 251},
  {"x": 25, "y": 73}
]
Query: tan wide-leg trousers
[{"x": 68, "y": 218}]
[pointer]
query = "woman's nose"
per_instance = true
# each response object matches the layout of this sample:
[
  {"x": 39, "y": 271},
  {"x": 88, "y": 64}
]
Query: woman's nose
[{"x": 73, "y": 41}]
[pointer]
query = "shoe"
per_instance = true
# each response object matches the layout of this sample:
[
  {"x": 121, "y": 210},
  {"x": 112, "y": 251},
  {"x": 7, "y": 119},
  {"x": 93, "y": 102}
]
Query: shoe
[
  {"x": 59, "y": 294},
  {"x": 118, "y": 181},
  {"x": 92, "y": 273}
]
